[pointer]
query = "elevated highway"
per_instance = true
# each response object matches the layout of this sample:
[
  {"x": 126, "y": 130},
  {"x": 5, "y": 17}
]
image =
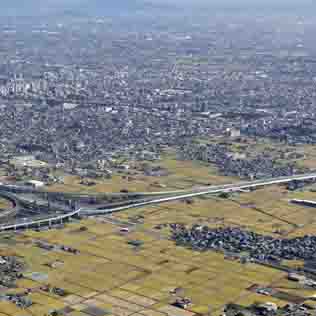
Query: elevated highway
[
  {"x": 162, "y": 199},
  {"x": 15, "y": 205},
  {"x": 41, "y": 221},
  {"x": 211, "y": 190}
]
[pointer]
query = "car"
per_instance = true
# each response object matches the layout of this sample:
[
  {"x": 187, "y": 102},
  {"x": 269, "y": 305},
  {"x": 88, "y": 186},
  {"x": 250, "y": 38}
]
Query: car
[{"x": 124, "y": 229}]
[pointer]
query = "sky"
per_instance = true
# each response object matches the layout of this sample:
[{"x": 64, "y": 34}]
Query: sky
[
  {"x": 19, "y": 7},
  {"x": 237, "y": 3},
  {"x": 233, "y": 2}
]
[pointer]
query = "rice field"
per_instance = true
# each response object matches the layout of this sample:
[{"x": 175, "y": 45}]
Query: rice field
[{"x": 111, "y": 276}]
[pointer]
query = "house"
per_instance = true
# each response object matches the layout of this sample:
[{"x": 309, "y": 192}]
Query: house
[{"x": 35, "y": 183}]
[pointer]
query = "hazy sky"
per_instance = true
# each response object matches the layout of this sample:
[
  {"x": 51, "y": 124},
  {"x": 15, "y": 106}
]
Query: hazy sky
[
  {"x": 17, "y": 7},
  {"x": 236, "y": 3},
  {"x": 233, "y": 2}
]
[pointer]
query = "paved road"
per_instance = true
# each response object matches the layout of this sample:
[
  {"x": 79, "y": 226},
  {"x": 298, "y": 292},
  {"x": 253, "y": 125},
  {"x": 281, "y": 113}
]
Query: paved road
[
  {"x": 11, "y": 211},
  {"x": 211, "y": 190},
  {"x": 41, "y": 221}
]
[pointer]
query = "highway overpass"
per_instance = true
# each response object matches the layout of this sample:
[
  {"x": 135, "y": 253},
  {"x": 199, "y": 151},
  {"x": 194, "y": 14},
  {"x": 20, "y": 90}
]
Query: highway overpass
[
  {"x": 179, "y": 196},
  {"x": 211, "y": 190}
]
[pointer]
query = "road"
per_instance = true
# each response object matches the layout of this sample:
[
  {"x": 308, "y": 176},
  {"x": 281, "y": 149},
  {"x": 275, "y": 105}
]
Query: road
[
  {"x": 210, "y": 190},
  {"x": 12, "y": 211}
]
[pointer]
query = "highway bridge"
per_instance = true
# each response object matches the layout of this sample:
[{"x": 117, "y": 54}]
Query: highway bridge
[
  {"x": 211, "y": 190},
  {"x": 40, "y": 222},
  {"x": 304, "y": 202},
  {"x": 180, "y": 195},
  {"x": 15, "y": 205}
]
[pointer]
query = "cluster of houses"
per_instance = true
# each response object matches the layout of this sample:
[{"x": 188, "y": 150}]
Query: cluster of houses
[
  {"x": 10, "y": 270},
  {"x": 235, "y": 240},
  {"x": 268, "y": 309},
  {"x": 230, "y": 163}
]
